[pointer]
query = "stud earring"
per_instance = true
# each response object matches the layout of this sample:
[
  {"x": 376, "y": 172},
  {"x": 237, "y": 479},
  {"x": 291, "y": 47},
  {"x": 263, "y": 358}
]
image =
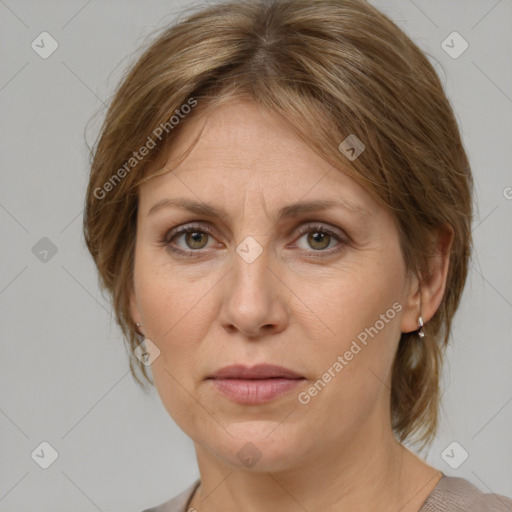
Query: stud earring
[{"x": 421, "y": 334}]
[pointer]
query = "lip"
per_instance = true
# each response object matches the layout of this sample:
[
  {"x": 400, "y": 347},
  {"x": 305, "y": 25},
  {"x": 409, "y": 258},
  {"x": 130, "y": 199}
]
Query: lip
[
  {"x": 259, "y": 371},
  {"x": 255, "y": 385}
]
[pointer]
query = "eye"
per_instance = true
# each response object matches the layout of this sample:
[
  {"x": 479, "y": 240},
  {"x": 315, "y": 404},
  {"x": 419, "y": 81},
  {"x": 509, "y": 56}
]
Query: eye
[
  {"x": 195, "y": 237},
  {"x": 319, "y": 238}
]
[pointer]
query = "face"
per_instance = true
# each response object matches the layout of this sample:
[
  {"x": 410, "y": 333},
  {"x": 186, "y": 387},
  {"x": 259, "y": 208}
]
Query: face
[{"x": 318, "y": 290}]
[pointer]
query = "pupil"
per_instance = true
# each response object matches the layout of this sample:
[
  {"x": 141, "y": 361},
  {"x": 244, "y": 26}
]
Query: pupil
[
  {"x": 318, "y": 237},
  {"x": 195, "y": 238}
]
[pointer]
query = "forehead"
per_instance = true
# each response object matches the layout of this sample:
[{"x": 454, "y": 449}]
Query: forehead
[
  {"x": 242, "y": 147},
  {"x": 244, "y": 134}
]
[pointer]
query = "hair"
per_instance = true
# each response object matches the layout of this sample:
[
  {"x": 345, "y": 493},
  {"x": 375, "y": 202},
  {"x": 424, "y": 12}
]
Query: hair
[{"x": 333, "y": 68}]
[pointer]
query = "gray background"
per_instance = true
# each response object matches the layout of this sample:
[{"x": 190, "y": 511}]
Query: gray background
[{"x": 64, "y": 371}]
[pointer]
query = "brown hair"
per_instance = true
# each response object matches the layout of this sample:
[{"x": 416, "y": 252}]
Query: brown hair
[{"x": 334, "y": 68}]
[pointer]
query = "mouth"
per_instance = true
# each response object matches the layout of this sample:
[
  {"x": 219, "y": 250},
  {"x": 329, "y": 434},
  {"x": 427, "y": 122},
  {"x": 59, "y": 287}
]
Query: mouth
[{"x": 255, "y": 385}]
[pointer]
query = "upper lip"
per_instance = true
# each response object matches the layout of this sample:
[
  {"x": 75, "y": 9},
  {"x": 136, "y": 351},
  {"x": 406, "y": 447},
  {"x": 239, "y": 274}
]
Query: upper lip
[{"x": 259, "y": 371}]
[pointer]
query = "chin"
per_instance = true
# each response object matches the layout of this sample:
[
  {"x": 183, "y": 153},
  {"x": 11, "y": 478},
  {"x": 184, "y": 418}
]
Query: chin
[{"x": 260, "y": 446}]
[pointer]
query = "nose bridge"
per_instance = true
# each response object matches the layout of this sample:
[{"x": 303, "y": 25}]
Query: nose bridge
[
  {"x": 250, "y": 267},
  {"x": 250, "y": 301}
]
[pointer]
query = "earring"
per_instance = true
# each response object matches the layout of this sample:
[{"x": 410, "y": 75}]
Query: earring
[{"x": 421, "y": 334}]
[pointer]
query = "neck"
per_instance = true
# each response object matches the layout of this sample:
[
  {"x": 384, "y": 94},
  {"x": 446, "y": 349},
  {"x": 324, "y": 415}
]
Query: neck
[{"x": 371, "y": 471}]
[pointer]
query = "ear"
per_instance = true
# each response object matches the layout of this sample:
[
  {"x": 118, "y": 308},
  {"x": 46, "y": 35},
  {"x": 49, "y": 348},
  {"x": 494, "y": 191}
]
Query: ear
[
  {"x": 428, "y": 292},
  {"x": 134, "y": 309}
]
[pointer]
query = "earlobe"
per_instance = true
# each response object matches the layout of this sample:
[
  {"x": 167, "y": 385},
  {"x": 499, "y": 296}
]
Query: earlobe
[
  {"x": 427, "y": 293},
  {"x": 134, "y": 310},
  {"x": 412, "y": 306}
]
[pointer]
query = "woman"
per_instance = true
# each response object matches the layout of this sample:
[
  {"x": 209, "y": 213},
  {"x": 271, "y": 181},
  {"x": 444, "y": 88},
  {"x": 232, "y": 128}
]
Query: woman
[{"x": 280, "y": 205}]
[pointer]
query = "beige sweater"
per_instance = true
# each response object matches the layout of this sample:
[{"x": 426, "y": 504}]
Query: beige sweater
[{"x": 450, "y": 495}]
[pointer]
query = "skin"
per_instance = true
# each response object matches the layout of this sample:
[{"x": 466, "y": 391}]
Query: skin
[{"x": 298, "y": 305}]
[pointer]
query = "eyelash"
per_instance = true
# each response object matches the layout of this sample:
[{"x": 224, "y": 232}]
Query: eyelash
[{"x": 169, "y": 236}]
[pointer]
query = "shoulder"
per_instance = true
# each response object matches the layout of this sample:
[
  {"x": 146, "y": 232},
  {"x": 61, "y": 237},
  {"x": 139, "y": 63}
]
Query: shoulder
[
  {"x": 178, "y": 503},
  {"x": 454, "y": 494}
]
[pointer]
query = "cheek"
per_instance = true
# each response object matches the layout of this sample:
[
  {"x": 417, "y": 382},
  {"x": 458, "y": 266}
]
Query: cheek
[
  {"x": 177, "y": 396},
  {"x": 171, "y": 300},
  {"x": 171, "y": 304},
  {"x": 342, "y": 302},
  {"x": 361, "y": 307}
]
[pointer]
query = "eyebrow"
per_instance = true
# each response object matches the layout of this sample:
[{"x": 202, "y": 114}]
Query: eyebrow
[{"x": 292, "y": 210}]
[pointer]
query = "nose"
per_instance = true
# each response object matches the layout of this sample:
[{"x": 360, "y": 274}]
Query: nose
[{"x": 254, "y": 297}]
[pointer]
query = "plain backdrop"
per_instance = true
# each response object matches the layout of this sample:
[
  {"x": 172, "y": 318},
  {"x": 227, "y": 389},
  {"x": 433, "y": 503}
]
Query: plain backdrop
[{"x": 64, "y": 376}]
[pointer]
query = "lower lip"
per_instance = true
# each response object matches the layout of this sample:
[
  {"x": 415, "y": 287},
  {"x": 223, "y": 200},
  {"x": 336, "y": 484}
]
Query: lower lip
[{"x": 256, "y": 391}]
